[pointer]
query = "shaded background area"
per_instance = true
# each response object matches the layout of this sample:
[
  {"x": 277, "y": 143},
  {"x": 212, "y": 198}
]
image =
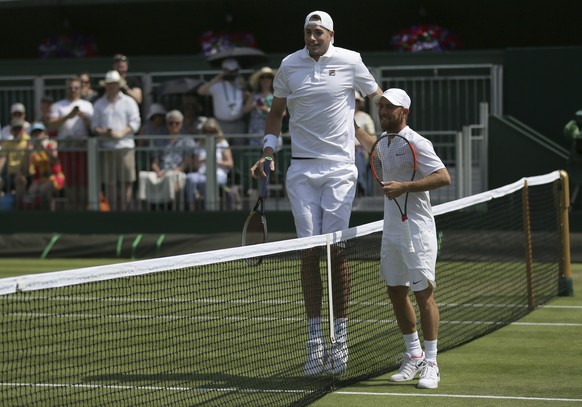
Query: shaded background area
[{"x": 174, "y": 26}]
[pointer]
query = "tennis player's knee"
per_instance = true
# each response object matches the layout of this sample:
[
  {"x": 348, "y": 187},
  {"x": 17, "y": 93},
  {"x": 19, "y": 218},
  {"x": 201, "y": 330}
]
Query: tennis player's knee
[{"x": 397, "y": 293}]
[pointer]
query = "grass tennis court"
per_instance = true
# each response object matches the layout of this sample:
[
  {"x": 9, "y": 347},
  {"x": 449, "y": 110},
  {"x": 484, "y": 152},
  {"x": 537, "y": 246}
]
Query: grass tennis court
[
  {"x": 535, "y": 358},
  {"x": 533, "y": 362}
]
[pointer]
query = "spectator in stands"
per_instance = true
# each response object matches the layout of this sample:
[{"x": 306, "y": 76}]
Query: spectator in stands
[
  {"x": 71, "y": 116},
  {"x": 87, "y": 92},
  {"x": 116, "y": 120},
  {"x": 154, "y": 126},
  {"x": 47, "y": 174},
  {"x": 366, "y": 123},
  {"x": 228, "y": 99},
  {"x": 71, "y": 119},
  {"x": 46, "y": 103},
  {"x": 193, "y": 118},
  {"x": 196, "y": 180},
  {"x": 171, "y": 160},
  {"x": 322, "y": 179},
  {"x": 17, "y": 175},
  {"x": 17, "y": 111},
  {"x": 573, "y": 132},
  {"x": 130, "y": 85},
  {"x": 402, "y": 270},
  {"x": 258, "y": 105}
]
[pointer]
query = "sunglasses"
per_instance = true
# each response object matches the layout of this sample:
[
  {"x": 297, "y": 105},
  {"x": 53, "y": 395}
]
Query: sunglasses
[{"x": 174, "y": 123}]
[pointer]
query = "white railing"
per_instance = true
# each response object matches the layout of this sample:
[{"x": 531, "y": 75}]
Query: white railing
[{"x": 450, "y": 106}]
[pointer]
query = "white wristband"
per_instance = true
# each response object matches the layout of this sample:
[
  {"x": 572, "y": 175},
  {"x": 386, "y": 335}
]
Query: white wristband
[{"x": 270, "y": 140}]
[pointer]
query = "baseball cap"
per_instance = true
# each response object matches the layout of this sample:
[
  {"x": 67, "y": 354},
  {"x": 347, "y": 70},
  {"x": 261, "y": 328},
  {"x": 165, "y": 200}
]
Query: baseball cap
[
  {"x": 230, "y": 64},
  {"x": 578, "y": 113},
  {"x": 324, "y": 20},
  {"x": 396, "y": 96},
  {"x": 37, "y": 126},
  {"x": 359, "y": 96},
  {"x": 17, "y": 107},
  {"x": 112, "y": 76},
  {"x": 155, "y": 109}
]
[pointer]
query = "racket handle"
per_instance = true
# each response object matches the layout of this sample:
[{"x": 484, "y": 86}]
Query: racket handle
[
  {"x": 265, "y": 181},
  {"x": 408, "y": 235}
]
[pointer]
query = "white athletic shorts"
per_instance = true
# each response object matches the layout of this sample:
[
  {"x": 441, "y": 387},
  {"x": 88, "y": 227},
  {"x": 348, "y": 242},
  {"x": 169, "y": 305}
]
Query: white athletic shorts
[
  {"x": 321, "y": 193},
  {"x": 399, "y": 267}
]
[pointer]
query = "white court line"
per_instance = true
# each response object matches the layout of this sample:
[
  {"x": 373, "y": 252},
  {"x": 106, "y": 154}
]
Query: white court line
[
  {"x": 231, "y": 389},
  {"x": 272, "y": 319},
  {"x": 562, "y": 306},
  {"x": 157, "y": 388},
  {"x": 462, "y": 396}
]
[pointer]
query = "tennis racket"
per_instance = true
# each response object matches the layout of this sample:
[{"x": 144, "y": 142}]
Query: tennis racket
[
  {"x": 393, "y": 159},
  {"x": 255, "y": 227}
]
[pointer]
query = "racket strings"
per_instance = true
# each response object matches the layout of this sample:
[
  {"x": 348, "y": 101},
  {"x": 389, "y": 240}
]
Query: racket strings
[{"x": 255, "y": 230}]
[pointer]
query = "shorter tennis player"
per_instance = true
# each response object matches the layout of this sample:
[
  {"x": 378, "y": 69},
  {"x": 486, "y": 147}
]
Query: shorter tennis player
[{"x": 401, "y": 269}]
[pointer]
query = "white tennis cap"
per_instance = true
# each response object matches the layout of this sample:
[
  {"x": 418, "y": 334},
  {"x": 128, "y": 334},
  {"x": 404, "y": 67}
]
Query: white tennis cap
[
  {"x": 324, "y": 20},
  {"x": 319, "y": 18},
  {"x": 112, "y": 76},
  {"x": 396, "y": 96}
]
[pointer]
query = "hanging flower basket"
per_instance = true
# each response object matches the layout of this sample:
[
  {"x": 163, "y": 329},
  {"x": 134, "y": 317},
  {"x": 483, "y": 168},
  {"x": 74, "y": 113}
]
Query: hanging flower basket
[
  {"x": 216, "y": 42},
  {"x": 67, "y": 46},
  {"x": 425, "y": 37}
]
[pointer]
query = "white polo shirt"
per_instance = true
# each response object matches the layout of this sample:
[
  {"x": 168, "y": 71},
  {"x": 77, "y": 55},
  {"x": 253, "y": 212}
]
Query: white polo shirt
[
  {"x": 321, "y": 101},
  {"x": 419, "y": 209}
]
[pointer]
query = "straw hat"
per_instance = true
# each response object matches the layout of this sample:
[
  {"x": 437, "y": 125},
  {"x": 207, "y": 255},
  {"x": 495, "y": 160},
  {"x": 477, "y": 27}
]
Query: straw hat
[{"x": 254, "y": 79}]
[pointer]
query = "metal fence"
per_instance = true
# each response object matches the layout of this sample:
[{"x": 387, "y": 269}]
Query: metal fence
[{"x": 450, "y": 106}]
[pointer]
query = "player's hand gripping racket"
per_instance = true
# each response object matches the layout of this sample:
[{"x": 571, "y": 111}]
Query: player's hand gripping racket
[
  {"x": 393, "y": 159},
  {"x": 255, "y": 228}
]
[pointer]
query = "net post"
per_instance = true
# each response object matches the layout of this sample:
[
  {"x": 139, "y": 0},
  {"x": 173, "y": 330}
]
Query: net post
[
  {"x": 562, "y": 190},
  {"x": 332, "y": 338},
  {"x": 528, "y": 248}
]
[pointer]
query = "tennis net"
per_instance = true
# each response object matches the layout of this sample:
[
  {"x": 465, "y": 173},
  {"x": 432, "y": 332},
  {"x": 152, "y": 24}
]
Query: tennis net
[{"x": 206, "y": 329}]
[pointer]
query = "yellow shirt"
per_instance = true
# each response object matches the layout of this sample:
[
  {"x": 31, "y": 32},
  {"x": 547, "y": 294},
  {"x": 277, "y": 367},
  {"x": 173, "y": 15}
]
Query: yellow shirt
[{"x": 15, "y": 151}]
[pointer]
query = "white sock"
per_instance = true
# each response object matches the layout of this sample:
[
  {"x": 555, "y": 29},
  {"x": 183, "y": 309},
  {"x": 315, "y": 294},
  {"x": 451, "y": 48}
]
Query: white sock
[
  {"x": 341, "y": 329},
  {"x": 314, "y": 327},
  {"x": 413, "y": 344},
  {"x": 430, "y": 347}
]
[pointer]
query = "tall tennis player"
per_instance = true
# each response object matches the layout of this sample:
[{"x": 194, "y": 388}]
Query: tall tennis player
[
  {"x": 316, "y": 84},
  {"x": 401, "y": 268}
]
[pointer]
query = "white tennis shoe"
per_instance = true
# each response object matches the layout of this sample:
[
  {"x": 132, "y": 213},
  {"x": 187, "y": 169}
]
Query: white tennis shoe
[
  {"x": 430, "y": 376},
  {"x": 337, "y": 361},
  {"x": 411, "y": 366},
  {"x": 316, "y": 354}
]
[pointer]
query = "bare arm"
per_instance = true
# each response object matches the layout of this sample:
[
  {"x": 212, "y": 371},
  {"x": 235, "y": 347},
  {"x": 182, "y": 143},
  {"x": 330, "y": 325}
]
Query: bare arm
[
  {"x": 205, "y": 87},
  {"x": 378, "y": 91},
  {"x": 135, "y": 93},
  {"x": 365, "y": 138},
  {"x": 437, "y": 179}
]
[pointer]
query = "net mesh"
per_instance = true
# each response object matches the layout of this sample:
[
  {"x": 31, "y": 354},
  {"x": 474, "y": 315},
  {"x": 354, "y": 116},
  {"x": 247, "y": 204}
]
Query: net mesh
[{"x": 208, "y": 330}]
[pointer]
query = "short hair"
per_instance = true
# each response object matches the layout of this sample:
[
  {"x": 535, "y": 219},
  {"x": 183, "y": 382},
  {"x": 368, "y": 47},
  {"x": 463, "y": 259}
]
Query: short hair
[{"x": 175, "y": 114}]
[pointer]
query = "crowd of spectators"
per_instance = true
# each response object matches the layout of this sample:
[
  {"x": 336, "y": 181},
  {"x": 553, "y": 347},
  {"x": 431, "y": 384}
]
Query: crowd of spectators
[
  {"x": 145, "y": 152},
  {"x": 153, "y": 155}
]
